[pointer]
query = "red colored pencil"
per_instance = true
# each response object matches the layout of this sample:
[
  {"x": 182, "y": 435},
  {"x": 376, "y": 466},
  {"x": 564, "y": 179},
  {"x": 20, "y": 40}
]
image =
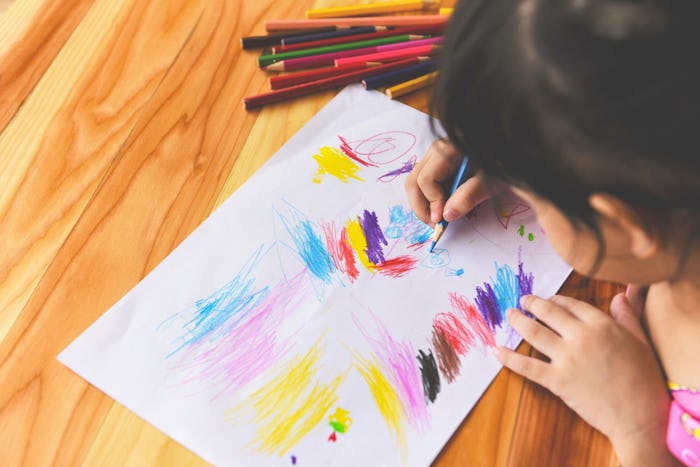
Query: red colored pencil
[
  {"x": 390, "y": 55},
  {"x": 415, "y": 20},
  {"x": 323, "y": 84},
  {"x": 437, "y": 29},
  {"x": 293, "y": 79}
]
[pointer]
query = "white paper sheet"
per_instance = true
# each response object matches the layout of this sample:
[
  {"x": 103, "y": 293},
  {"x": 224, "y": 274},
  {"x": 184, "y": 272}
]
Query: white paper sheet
[{"x": 305, "y": 323}]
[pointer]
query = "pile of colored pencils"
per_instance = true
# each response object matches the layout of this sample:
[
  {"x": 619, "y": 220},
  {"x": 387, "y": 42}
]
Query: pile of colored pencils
[{"x": 366, "y": 43}]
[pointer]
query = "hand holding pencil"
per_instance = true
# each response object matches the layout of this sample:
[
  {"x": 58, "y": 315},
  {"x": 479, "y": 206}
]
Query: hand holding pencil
[{"x": 428, "y": 186}]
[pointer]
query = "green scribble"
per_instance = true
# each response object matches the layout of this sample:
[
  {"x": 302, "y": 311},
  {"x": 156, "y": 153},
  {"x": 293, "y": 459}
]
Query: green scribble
[
  {"x": 338, "y": 427},
  {"x": 530, "y": 236},
  {"x": 521, "y": 230}
]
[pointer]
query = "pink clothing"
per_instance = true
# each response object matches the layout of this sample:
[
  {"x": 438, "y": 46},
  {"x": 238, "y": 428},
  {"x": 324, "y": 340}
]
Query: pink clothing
[{"x": 683, "y": 435}]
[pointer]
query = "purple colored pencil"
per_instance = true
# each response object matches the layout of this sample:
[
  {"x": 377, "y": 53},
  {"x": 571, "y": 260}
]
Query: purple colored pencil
[{"x": 330, "y": 34}]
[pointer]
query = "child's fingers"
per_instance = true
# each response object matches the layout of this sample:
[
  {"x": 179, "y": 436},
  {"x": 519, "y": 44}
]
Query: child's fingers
[
  {"x": 467, "y": 197},
  {"x": 582, "y": 310},
  {"x": 539, "y": 336},
  {"x": 418, "y": 203},
  {"x": 531, "y": 368},
  {"x": 430, "y": 181},
  {"x": 551, "y": 313},
  {"x": 622, "y": 311}
]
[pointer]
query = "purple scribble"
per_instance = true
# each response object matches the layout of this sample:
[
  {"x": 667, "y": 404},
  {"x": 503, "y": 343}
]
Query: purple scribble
[
  {"x": 374, "y": 236},
  {"x": 494, "y": 298},
  {"x": 294, "y": 460},
  {"x": 250, "y": 347},
  {"x": 488, "y": 305},
  {"x": 525, "y": 280},
  {"x": 401, "y": 367},
  {"x": 404, "y": 169}
]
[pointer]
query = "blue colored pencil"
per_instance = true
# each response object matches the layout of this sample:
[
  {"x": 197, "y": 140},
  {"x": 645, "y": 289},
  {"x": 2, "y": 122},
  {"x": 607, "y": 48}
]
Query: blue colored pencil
[
  {"x": 331, "y": 34},
  {"x": 460, "y": 178},
  {"x": 399, "y": 76}
]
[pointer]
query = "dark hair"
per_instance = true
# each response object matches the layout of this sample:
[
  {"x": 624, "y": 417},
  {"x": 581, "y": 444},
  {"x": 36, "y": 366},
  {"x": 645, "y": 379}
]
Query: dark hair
[{"x": 565, "y": 98}]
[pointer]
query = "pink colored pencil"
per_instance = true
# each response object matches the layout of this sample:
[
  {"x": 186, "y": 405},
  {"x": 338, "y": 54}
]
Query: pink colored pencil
[
  {"x": 330, "y": 58},
  {"x": 414, "y": 20},
  {"x": 390, "y": 55},
  {"x": 343, "y": 79},
  {"x": 439, "y": 29}
]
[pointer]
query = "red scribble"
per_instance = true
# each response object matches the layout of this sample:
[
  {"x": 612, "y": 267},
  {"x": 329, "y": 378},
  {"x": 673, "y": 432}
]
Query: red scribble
[
  {"x": 471, "y": 315},
  {"x": 454, "y": 332},
  {"x": 347, "y": 150},
  {"x": 397, "y": 267},
  {"x": 504, "y": 215},
  {"x": 416, "y": 246},
  {"x": 333, "y": 437},
  {"x": 340, "y": 250},
  {"x": 382, "y": 148}
]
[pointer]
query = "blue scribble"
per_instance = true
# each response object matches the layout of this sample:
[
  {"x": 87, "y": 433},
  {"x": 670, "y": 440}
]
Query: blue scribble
[
  {"x": 404, "y": 224},
  {"x": 309, "y": 246},
  {"x": 493, "y": 300},
  {"x": 215, "y": 315},
  {"x": 506, "y": 287},
  {"x": 439, "y": 258},
  {"x": 454, "y": 272}
]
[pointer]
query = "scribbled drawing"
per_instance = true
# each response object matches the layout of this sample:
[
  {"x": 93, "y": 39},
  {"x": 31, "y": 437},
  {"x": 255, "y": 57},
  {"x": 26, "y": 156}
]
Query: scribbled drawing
[
  {"x": 450, "y": 272},
  {"x": 292, "y": 403},
  {"x": 398, "y": 362},
  {"x": 340, "y": 420},
  {"x": 334, "y": 162},
  {"x": 345, "y": 161},
  {"x": 383, "y": 148},
  {"x": 403, "y": 224},
  {"x": 493, "y": 299},
  {"x": 404, "y": 169},
  {"x": 507, "y": 210},
  {"x": 521, "y": 232},
  {"x": 438, "y": 258},
  {"x": 429, "y": 374}
]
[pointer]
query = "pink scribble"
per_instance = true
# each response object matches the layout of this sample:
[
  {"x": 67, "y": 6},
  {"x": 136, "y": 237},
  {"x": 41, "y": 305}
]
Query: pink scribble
[
  {"x": 384, "y": 148},
  {"x": 471, "y": 316},
  {"x": 506, "y": 212},
  {"x": 248, "y": 348},
  {"x": 339, "y": 248},
  {"x": 347, "y": 150},
  {"x": 401, "y": 366}
]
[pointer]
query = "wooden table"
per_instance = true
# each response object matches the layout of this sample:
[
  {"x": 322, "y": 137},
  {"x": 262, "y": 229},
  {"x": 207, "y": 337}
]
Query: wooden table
[{"x": 121, "y": 129}]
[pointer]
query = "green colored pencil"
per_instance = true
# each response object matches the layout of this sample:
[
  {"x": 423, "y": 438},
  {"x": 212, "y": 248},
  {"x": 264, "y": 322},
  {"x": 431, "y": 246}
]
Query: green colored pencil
[{"x": 265, "y": 60}]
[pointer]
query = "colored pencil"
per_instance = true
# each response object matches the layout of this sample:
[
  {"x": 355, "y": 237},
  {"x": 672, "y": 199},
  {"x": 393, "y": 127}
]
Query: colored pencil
[
  {"x": 331, "y": 34},
  {"x": 293, "y": 79},
  {"x": 379, "y": 8},
  {"x": 320, "y": 60},
  {"x": 265, "y": 60},
  {"x": 431, "y": 30},
  {"x": 445, "y": 11},
  {"x": 256, "y": 42},
  {"x": 323, "y": 84},
  {"x": 390, "y": 55},
  {"x": 274, "y": 25},
  {"x": 397, "y": 76},
  {"x": 409, "y": 86},
  {"x": 460, "y": 178}
]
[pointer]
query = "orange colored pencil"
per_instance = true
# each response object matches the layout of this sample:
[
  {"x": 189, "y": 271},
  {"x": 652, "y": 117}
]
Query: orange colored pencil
[
  {"x": 390, "y": 55},
  {"x": 343, "y": 79},
  {"x": 414, "y": 20}
]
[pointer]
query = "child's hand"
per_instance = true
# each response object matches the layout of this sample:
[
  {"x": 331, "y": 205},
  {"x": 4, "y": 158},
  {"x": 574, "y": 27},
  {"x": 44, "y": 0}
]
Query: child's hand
[
  {"x": 428, "y": 183},
  {"x": 601, "y": 366}
]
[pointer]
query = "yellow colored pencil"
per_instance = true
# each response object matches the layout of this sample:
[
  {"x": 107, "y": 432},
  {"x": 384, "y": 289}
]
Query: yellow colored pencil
[
  {"x": 379, "y": 8},
  {"x": 411, "y": 85},
  {"x": 446, "y": 11}
]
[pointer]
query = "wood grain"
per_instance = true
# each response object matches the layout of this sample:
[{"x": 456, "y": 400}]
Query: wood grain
[{"x": 130, "y": 134}]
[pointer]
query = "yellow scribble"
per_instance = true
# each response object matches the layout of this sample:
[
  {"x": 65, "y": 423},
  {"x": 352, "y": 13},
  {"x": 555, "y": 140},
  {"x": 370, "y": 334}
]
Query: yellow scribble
[
  {"x": 291, "y": 405},
  {"x": 340, "y": 420},
  {"x": 358, "y": 242},
  {"x": 333, "y": 161},
  {"x": 385, "y": 396}
]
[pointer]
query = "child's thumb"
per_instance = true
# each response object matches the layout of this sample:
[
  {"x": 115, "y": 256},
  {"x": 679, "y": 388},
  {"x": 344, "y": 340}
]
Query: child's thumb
[{"x": 622, "y": 312}]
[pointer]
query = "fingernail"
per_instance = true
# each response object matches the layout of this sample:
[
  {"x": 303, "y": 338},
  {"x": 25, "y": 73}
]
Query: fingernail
[
  {"x": 497, "y": 352},
  {"x": 524, "y": 300},
  {"x": 435, "y": 217},
  {"x": 450, "y": 215}
]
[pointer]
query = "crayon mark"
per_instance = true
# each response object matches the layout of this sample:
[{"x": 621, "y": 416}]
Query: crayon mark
[
  {"x": 294, "y": 460},
  {"x": 448, "y": 360},
  {"x": 494, "y": 300},
  {"x": 398, "y": 362},
  {"x": 384, "y": 148},
  {"x": 309, "y": 245},
  {"x": 385, "y": 397},
  {"x": 348, "y": 151},
  {"x": 340, "y": 250},
  {"x": 437, "y": 259},
  {"x": 530, "y": 236},
  {"x": 521, "y": 230},
  {"x": 454, "y": 272},
  {"x": 469, "y": 314},
  {"x": 404, "y": 224},
  {"x": 334, "y": 162},
  {"x": 507, "y": 210},
  {"x": 404, "y": 169},
  {"x": 373, "y": 236},
  {"x": 398, "y": 266},
  {"x": 291, "y": 404},
  {"x": 333, "y": 437},
  {"x": 429, "y": 375},
  {"x": 358, "y": 242},
  {"x": 340, "y": 421}
]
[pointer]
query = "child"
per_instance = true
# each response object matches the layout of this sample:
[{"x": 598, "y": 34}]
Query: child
[{"x": 590, "y": 111}]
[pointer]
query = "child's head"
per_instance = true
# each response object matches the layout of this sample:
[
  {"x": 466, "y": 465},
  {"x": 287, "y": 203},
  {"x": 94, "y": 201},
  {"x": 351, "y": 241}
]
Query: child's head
[{"x": 590, "y": 107}]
